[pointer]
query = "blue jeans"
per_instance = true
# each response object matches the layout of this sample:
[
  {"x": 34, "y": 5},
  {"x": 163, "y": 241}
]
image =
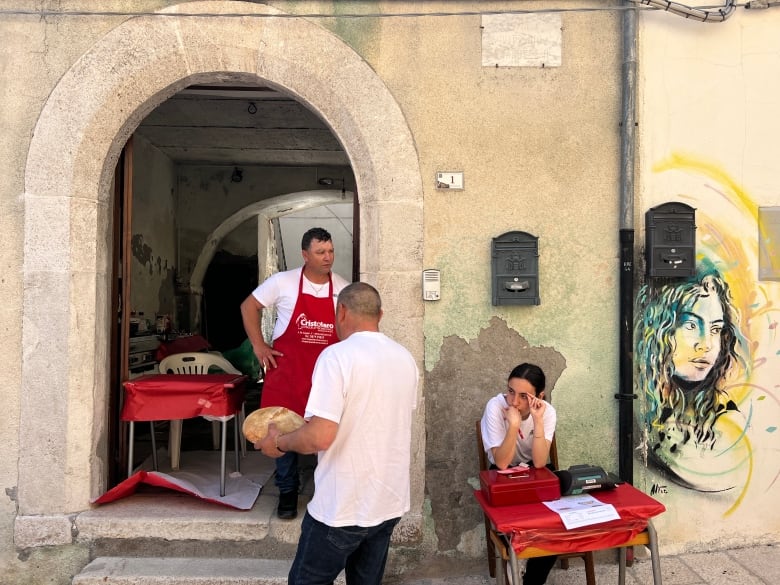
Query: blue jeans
[
  {"x": 323, "y": 551},
  {"x": 287, "y": 473}
]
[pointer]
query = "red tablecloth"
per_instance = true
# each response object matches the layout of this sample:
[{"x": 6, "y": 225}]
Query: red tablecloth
[
  {"x": 538, "y": 526},
  {"x": 175, "y": 396}
]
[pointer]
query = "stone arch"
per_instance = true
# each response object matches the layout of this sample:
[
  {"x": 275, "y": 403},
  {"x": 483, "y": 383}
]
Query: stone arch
[
  {"x": 265, "y": 211},
  {"x": 82, "y": 128}
]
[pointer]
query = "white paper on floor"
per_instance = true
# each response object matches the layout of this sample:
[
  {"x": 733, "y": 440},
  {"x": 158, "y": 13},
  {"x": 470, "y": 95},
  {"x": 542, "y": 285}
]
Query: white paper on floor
[{"x": 198, "y": 475}]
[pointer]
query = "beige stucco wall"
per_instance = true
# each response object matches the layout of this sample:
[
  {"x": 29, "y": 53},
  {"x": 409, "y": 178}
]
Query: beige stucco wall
[
  {"x": 539, "y": 148},
  {"x": 709, "y": 128}
]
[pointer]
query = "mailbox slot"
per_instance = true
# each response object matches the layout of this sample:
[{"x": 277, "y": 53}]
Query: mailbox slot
[
  {"x": 670, "y": 247},
  {"x": 515, "y": 269}
]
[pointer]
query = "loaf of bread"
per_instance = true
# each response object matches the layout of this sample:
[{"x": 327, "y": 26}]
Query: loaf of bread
[{"x": 255, "y": 426}]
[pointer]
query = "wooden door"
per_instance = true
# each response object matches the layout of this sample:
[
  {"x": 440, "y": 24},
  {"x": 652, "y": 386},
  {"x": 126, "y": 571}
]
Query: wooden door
[{"x": 120, "y": 321}]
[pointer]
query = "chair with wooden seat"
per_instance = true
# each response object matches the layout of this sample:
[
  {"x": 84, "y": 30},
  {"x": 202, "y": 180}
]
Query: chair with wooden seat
[
  {"x": 195, "y": 363},
  {"x": 496, "y": 548}
]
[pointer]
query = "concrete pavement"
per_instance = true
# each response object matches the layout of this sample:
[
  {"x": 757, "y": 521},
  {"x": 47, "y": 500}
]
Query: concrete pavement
[{"x": 756, "y": 565}]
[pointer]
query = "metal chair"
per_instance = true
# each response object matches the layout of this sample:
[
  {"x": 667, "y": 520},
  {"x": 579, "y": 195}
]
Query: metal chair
[
  {"x": 496, "y": 548},
  {"x": 196, "y": 363}
]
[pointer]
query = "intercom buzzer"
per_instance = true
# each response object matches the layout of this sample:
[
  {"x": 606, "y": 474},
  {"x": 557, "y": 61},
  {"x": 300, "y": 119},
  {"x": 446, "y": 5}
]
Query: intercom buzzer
[{"x": 431, "y": 284}]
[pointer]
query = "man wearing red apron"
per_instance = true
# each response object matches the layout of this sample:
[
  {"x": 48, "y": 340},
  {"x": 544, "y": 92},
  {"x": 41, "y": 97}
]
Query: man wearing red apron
[{"x": 304, "y": 299}]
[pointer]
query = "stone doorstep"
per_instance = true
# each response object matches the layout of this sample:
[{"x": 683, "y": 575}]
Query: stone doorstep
[
  {"x": 172, "y": 517},
  {"x": 182, "y": 571},
  {"x": 185, "y": 571},
  {"x": 160, "y": 531}
]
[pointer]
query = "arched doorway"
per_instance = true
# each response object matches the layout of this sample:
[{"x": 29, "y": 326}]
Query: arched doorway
[{"x": 68, "y": 201}]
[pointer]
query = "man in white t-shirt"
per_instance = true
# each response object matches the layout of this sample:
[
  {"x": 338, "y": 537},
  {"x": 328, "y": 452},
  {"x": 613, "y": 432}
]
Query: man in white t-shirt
[
  {"x": 359, "y": 422},
  {"x": 305, "y": 302}
]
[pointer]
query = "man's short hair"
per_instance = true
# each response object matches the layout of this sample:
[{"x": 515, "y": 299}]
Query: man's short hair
[
  {"x": 361, "y": 298},
  {"x": 316, "y": 233}
]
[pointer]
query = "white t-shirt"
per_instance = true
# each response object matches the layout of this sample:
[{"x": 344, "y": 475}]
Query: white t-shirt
[
  {"x": 368, "y": 385},
  {"x": 494, "y": 428},
  {"x": 280, "y": 291}
]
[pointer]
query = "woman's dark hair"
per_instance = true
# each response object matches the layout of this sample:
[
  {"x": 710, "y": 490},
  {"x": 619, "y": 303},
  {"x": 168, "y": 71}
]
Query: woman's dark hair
[{"x": 533, "y": 374}]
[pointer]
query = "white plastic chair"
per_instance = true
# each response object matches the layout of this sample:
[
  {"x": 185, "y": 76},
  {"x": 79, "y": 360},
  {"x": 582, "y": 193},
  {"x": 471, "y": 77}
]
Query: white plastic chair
[{"x": 196, "y": 363}]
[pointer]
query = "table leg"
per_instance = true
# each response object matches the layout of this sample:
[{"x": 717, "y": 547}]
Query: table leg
[
  {"x": 130, "y": 449},
  {"x": 622, "y": 565},
  {"x": 241, "y": 422},
  {"x": 500, "y": 566},
  {"x": 514, "y": 566},
  {"x": 174, "y": 443},
  {"x": 154, "y": 445},
  {"x": 655, "y": 559},
  {"x": 235, "y": 442},
  {"x": 222, "y": 460}
]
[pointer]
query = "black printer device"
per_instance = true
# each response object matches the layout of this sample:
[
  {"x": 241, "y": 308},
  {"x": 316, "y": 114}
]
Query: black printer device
[{"x": 580, "y": 479}]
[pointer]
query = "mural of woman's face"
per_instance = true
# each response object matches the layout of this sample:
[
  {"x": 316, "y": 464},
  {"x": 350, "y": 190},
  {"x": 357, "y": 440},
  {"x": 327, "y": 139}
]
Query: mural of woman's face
[{"x": 697, "y": 339}]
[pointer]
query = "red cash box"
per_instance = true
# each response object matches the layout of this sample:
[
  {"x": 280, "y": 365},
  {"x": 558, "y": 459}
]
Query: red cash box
[{"x": 520, "y": 487}]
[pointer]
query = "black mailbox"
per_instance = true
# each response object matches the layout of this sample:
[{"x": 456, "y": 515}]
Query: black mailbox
[
  {"x": 670, "y": 246},
  {"x": 515, "y": 269}
]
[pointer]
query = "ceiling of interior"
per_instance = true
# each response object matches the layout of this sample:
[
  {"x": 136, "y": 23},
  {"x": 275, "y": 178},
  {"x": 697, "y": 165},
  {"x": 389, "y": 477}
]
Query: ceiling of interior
[{"x": 240, "y": 125}]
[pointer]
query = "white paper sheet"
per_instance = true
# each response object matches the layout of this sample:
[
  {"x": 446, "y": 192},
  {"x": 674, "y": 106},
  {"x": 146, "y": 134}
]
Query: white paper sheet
[{"x": 582, "y": 510}]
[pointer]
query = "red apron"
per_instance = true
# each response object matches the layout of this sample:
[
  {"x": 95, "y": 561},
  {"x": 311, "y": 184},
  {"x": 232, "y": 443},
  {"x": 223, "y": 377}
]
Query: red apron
[{"x": 311, "y": 329}]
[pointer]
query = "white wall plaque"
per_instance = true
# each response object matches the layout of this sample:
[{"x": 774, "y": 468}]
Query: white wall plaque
[{"x": 521, "y": 40}]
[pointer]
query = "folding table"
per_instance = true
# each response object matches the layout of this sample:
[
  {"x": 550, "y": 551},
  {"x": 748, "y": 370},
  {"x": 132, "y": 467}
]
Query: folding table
[
  {"x": 178, "y": 396},
  {"x": 533, "y": 530}
]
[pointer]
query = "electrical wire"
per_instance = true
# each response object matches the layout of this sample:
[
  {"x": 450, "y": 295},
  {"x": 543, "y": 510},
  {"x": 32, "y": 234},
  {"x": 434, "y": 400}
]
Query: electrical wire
[
  {"x": 718, "y": 13},
  {"x": 284, "y": 15}
]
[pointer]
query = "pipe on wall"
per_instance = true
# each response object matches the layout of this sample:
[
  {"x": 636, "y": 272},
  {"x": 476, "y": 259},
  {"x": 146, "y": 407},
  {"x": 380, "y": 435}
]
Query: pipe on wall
[{"x": 625, "y": 395}]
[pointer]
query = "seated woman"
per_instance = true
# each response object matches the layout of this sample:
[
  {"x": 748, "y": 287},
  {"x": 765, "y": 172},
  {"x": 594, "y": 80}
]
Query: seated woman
[{"x": 518, "y": 427}]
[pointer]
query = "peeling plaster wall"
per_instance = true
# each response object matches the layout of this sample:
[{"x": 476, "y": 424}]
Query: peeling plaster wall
[
  {"x": 153, "y": 242},
  {"x": 539, "y": 149},
  {"x": 468, "y": 374}
]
